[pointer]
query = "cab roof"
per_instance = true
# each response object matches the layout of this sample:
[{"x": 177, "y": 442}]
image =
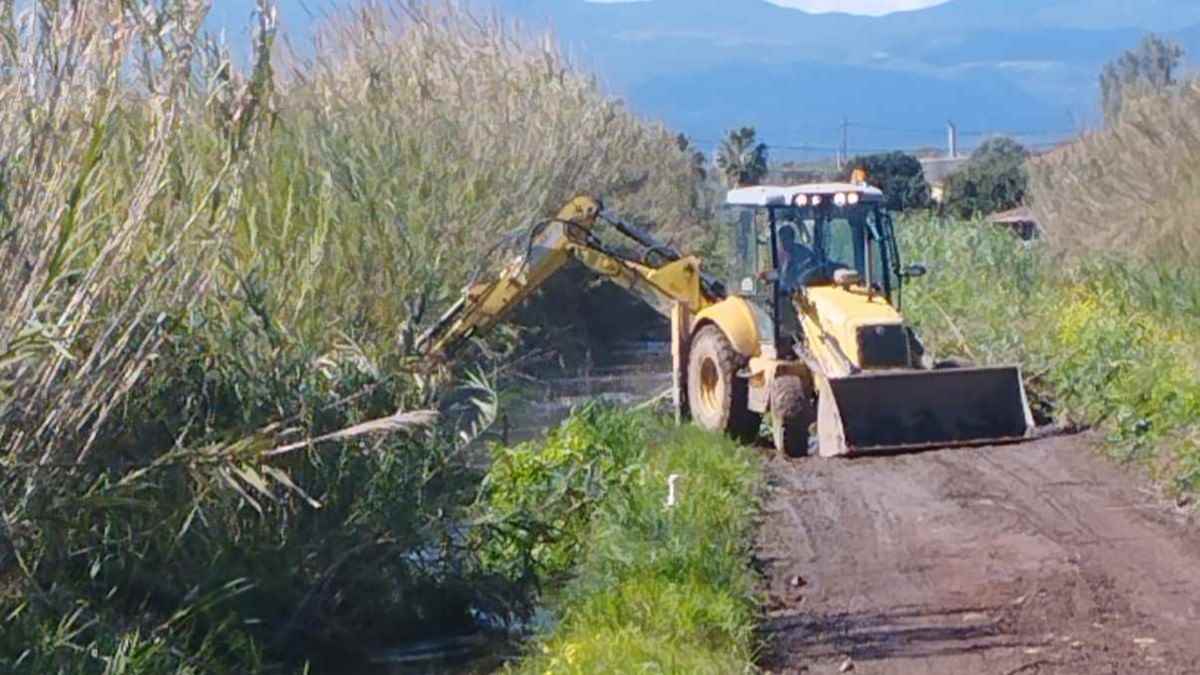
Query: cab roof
[{"x": 776, "y": 195}]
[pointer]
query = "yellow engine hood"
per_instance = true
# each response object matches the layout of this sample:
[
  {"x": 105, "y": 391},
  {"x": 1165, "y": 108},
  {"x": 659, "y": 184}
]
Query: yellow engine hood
[{"x": 832, "y": 319}]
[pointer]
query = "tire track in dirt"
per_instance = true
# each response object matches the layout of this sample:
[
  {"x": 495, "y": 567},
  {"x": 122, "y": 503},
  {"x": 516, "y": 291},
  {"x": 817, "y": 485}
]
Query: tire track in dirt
[{"x": 1037, "y": 558}]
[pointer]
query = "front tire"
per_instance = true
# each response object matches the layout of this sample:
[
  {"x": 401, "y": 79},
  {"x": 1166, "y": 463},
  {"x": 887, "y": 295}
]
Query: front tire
[
  {"x": 952, "y": 364},
  {"x": 792, "y": 416},
  {"x": 717, "y": 397}
]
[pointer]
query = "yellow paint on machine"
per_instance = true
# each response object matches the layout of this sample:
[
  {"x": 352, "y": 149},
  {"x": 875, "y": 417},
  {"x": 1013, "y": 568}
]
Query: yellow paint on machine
[
  {"x": 838, "y": 314},
  {"x": 735, "y": 317}
]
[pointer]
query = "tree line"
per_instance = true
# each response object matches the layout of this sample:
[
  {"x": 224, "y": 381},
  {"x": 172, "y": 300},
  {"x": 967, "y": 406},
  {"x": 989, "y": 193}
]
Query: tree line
[{"x": 994, "y": 178}]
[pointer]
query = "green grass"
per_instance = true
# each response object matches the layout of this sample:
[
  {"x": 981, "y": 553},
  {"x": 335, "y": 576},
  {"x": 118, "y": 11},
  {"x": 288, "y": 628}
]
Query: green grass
[
  {"x": 1106, "y": 342},
  {"x": 651, "y": 589}
]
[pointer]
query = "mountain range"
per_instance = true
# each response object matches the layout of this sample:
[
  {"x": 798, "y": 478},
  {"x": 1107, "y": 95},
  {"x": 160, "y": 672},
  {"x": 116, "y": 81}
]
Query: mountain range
[
  {"x": 1028, "y": 68},
  {"x": 1024, "y": 67}
]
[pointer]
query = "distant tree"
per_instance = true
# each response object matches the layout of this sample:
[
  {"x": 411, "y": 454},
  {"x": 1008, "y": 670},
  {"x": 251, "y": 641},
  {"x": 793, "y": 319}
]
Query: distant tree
[
  {"x": 899, "y": 175},
  {"x": 1148, "y": 69},
  {"x": 741, "y": 158},
  {"x": 699, "y": 161},
  {"x": 994, "y": 179}
]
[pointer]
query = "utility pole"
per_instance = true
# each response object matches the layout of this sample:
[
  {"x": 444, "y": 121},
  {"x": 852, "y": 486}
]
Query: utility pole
[{"x": 844, "y": 154}]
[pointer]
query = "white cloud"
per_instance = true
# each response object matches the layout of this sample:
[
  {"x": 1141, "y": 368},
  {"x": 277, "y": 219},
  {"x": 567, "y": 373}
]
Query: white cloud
[{"x": 872, "y": 7}]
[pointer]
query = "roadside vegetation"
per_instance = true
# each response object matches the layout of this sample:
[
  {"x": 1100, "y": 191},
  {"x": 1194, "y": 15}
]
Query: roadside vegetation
[
  {"x": 1103, "y": 343},
  {"x": 1104, "y": 311},
  {"x": 217, "y": 453},
  {"x": 650, "y": 587}
]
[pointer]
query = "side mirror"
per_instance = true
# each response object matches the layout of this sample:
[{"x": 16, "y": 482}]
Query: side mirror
[{"x": 914, "y": 271}]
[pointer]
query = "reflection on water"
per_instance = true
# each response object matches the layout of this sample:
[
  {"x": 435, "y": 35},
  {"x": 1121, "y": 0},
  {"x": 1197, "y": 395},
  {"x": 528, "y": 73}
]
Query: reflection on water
[
  {"x": 470, "y": 655},
  {"x": 627, "y": 375}
]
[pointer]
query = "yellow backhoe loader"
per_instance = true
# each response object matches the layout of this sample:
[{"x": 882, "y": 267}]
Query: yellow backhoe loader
[{"x": 809, "y": 331}]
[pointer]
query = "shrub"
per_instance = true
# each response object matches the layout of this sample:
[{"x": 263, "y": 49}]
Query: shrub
[
  {"x": 995, "y": 179},
  {"x": 539, "y": 496},
  {"x": 899, "y": 175},
  {"x": 1102, "y": 343}
]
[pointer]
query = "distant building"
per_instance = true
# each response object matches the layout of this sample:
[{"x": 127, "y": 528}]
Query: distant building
[
  {"x": 1020, "y": 221},
  {"x": 937, "y": 171}
]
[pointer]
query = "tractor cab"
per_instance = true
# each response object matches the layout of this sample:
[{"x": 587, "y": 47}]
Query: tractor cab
[{"x": 787, "y": 240}]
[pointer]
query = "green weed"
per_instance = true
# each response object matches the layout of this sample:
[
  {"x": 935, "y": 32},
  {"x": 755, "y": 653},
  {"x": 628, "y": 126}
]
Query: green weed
[{"x": 658, "y": 589}]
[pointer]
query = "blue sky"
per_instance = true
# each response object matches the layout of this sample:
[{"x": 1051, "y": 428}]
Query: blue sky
[{"x": 871, "y": 7}]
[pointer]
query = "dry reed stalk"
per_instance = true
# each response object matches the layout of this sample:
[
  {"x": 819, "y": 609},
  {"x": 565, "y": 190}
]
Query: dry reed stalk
[
  {"x": 437, "y": 131},
  {"x": 110, "y": 225},
  {"x": 1131, "y": 190}
]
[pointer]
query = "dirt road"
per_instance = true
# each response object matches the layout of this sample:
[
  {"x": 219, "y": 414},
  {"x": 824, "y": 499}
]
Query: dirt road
[{"x": 1038, "y": 558}]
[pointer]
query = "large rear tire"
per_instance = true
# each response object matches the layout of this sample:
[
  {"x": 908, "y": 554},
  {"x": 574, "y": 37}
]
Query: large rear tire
[
  {"x": 717, "y": 397},
  {"x": 792, "y": 416}
]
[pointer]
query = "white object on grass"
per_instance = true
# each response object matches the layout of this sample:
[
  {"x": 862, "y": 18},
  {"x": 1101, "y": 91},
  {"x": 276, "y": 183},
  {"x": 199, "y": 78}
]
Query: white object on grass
[{"x": 671, "y": 501}]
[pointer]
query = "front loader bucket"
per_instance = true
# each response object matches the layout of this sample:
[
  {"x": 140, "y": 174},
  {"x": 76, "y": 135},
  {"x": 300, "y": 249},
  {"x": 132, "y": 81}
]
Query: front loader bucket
[{"x": 918, "y": 410}]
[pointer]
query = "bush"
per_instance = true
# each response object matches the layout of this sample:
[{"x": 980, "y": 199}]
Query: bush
[
  {"x": 1118, "y": 207},
  {"x": 995, "y": 179},
  {"x": 539, "y": 496},
  {"x": 899, "y": 175}
]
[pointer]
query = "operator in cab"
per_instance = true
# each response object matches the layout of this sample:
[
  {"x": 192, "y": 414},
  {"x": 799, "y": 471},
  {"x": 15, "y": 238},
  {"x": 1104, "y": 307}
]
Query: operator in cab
[{"x": 796, "y": 260}]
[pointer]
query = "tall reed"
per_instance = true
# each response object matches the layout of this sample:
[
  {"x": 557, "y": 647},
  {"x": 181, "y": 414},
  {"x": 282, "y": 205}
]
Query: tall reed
[
  {"x": 415, "y": 137},
  {"x": 201, "y": 263},
  {"x": 1130, "y": 190}
]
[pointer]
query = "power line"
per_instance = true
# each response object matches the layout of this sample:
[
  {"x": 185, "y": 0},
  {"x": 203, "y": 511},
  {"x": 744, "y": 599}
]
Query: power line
[
  {"x": 815, "y": 147},
  {"x": 840, "y": 154},
  {"x": 1018, "y": 133},
  {"x": 894, "y": 130}
]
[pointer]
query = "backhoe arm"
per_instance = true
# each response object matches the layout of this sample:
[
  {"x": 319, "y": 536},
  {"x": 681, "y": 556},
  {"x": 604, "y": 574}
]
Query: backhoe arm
[{"x": 551, "y": 246}]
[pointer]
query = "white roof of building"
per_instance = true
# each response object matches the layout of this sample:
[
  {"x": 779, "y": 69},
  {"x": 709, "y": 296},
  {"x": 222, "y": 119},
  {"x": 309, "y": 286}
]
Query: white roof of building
[{"x": 774, "y": 195}]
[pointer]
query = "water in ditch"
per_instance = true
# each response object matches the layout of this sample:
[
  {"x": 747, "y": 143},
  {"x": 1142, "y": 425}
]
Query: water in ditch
[{"x": 627, "y": 374}]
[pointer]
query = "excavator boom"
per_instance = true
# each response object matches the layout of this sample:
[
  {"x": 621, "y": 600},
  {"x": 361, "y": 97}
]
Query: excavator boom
[{"x": 663, "y": 278}]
